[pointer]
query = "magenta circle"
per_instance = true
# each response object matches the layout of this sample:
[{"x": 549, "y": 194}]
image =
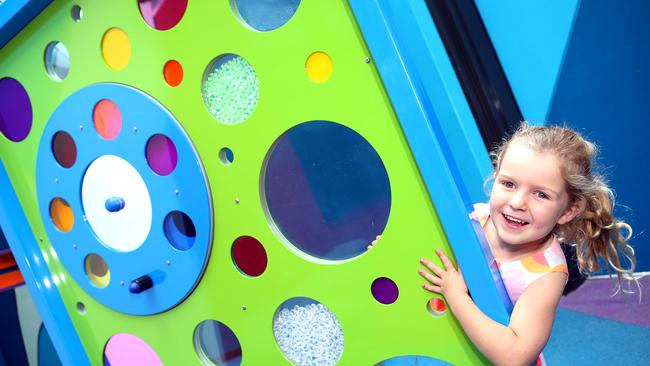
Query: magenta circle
[
  {"x": 124, "y": 349},
  {"x": 15, "y": 110},
  {"x": 161, "y": 154},
  {"x": 384, "y": 290},
  {"x": 162, "y": 14}
]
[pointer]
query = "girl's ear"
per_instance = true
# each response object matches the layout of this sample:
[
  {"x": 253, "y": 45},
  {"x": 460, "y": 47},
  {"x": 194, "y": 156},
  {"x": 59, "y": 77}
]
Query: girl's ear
[{"x": 571, "y": 212}]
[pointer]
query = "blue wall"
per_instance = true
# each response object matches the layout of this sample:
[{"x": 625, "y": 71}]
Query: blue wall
[{"x": 604, "y": 91}]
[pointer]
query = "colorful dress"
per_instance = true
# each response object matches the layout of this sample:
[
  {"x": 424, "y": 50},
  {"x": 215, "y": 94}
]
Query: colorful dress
[{"x": 519, "y": 274}]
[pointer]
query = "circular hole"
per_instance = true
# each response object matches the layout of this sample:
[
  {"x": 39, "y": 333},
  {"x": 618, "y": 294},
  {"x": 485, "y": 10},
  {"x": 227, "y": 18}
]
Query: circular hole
[
  {"x": 216, "y": 344},
  {"x": 162, "y": 14},
  {"x": 116, "y": 49},
  {"x": 179, "y": 230},
  {"x": 173, "y": 73},
  {"x": 436, "y": 306},
  {"x": 81, "y": 308},
  {"x": 124, "y": 349},
  {"x": 161, "y": 154},
  {"x": 15, "y": 110},
  {"x": 97, "y": 270},
  {"x": 264, "y": 15},
  {"x": 57, "y": 61},
  {"x": 326, "y": 190},
  {"x": 64, "y": 149},
  {"x": 107, "y": 119},
  {"x": 230, "y": 89},
  {"x": 61, "y": 214},
  {"x": 307, "y": 332},
  {"x": 226, "y": 156},
  {"x": 76, "y": 13},
  {"x": 249, "y": 256},
  {"x": 319, "y": 67},
  {"x": 384, "y": 290}
]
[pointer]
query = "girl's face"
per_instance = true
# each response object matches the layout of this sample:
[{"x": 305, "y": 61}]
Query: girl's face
[{"x": 529, "y": 197}]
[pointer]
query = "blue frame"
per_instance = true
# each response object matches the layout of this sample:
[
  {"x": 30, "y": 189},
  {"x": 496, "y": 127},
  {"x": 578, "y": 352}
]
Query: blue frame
[
  {"x": 38, "y": 278},
  {"x": 16, "y": 14},
  {"x": 441, "y": 131}
]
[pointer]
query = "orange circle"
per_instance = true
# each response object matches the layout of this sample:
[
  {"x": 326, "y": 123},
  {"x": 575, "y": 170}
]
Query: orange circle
[
  {"x": 173, "y": 72},
  {"x": 61, "y": 214}
]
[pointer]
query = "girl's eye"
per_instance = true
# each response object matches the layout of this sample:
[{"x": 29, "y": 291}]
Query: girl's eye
[
  {"x": 543, "y": 195},
  {"x": 508, "y": 184}
]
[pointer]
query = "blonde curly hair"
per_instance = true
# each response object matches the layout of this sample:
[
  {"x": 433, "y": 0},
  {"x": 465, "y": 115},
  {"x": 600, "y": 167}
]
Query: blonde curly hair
[{"x": 595, "y": 231}]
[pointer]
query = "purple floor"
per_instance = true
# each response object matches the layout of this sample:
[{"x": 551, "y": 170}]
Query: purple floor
[{"x": 595, "y": 298}]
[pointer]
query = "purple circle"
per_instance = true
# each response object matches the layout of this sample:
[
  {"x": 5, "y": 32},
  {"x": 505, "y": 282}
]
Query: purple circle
[
  {"x": 15, "y": 110},
  {"x": 161, "y": 154},
  {"x": 384, "y": 290}
]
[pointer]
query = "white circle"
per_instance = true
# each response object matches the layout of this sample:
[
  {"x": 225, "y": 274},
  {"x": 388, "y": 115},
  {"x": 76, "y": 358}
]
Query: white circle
[{"x": 111, "y": 176}]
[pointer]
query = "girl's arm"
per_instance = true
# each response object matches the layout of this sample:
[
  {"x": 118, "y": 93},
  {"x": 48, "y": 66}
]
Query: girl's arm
[{"x": 531, "y": 321}]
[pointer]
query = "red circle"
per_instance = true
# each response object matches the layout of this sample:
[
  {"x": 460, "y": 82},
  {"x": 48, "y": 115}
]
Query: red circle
[
  {"x": 173, "y": 73},
  {"x": 249, "y": 256},
  {"x": 64, "y": 149}
]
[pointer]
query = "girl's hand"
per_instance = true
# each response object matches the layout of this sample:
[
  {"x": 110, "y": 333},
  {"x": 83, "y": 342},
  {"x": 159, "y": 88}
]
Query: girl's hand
[
  {"x": 374, "y": 242},
  {"x": 448, "y": 281}
]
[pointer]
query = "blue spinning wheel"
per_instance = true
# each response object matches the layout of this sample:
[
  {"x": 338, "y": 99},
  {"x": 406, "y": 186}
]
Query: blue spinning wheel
[{"x": 127, "y": 197}]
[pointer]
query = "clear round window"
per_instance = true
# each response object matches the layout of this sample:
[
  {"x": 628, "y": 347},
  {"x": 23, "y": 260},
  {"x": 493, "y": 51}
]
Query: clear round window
[
  {"x": 230, "y": 89},
  {"x": 307, "y": 332},
  {"x": 264, "y": 15},
  {"x": 326, "y": 190},
  {"x": 57, "y": 61},
  {"x": 216, "y": 344}
]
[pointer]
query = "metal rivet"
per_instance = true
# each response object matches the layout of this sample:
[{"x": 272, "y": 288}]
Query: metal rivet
[
  {"x": 40, "y": 239},
  {"x": 135, "y": 129},
  {"x": 237, "y": 200},
  {"x": 81, "y": 127},
  {"x": 367, "y": 60},
  {"x": 74, "y": 246},
  {"x": 176, "y": 192},
  {"x": 121, "y": 283},
  {"x": 168, "y": 262},
  {"x": 56, "y": 180},
  {"x": 243, "y": 307}
]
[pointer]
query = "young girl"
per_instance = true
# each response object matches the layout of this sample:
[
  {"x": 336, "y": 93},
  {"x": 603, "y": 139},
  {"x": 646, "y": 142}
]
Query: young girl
[{"x": 544, "y": 192}]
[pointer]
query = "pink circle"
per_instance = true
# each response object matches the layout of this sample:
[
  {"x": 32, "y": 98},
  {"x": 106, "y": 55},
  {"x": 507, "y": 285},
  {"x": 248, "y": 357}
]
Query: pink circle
[
  {"x": 162, "y": 14},
  {"x": 107, "y": 119},
  {"x": 161, "y": 154},
  {"x": 125, "y": 349}
]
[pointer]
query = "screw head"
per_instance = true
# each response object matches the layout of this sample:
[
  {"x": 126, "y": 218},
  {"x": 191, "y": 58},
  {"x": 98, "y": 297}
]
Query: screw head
[{"x": 366, "y": 60}]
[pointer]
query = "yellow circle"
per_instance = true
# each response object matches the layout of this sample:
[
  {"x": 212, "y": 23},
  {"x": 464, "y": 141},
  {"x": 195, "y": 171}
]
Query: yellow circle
[
  {"x": 116, "y": 49},
  {"x": 97, "y": 270},
  {"x": 319, "y": 67}
]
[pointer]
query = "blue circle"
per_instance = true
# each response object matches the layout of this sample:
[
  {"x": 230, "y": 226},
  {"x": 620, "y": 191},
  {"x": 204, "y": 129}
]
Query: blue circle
[
  {"x": 264, "y": 15},
  {"x": 174, "y": 272}
]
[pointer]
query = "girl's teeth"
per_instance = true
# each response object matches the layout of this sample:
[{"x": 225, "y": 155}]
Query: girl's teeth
[{"x": 515, "y": 220}]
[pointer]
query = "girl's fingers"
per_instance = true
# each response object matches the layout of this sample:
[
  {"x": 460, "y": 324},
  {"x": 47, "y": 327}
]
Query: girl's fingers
[
  {"x": 445, "y": 261},
  {"x": 432, "y": 288},
  {"x": 431, "y": 278},
  {"x": 435, "y": 269}
]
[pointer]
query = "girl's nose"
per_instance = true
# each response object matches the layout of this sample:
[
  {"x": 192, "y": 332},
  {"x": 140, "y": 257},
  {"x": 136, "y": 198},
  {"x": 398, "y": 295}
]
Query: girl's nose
[{"x": 518, "y": 201}]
